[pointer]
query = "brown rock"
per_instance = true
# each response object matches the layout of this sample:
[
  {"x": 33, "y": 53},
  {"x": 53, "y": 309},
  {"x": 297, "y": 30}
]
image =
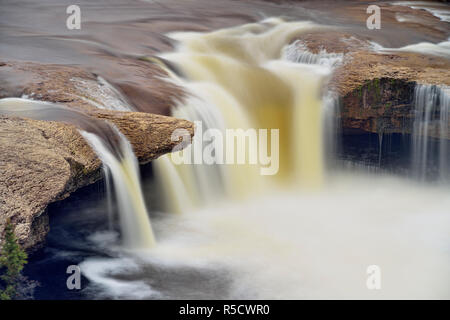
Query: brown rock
[
  {"x": 44, "y": 161},
  {"x": 377, "y": 89}
]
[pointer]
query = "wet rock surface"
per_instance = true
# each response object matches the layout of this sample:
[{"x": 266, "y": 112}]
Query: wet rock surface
[
  {"x": 44, "y": 161},
  {"x": 376, "y": 89}
]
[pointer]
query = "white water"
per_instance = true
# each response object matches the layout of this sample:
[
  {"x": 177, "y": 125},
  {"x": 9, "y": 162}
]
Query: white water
[
  {"x": 432, "y": 107},
  {"x": 441, "y": 49},
  {"x": 298, "y": 245},
  {"x": 124, "y": 170},
  {"x": 299, "y": 53},
  {"x": 102, "y": 94},
  {"x": 241, "y": 78},
  {"x": 439, "y": 10},
  {"x": 284, "y": 242},
  {"x": 120, "y": 164}
]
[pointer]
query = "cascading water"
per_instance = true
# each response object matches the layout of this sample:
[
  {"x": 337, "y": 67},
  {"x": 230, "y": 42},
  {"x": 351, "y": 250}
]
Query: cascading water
[
  {"x": 117, "y": 156},
  {"x": 441, "y": 49},
  {"x": 431, "y": 132},
  {"x": 285, "y": 242},
  {"x": 123, "y": 168},
  {"x": 102, "y": 94},
  {"x": 240, "y": 79},
  {"x": 299, "y": 53}
]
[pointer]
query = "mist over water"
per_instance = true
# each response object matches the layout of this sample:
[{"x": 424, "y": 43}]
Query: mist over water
[{"x": 297, "y": 245}]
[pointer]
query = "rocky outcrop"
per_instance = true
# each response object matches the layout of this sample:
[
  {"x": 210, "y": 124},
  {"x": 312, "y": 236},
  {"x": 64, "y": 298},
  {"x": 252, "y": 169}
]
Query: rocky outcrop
[
  {"x": 376, "y": 89},
  {"x": 40, "y": 162},
  {"x": 44, "y": 161},
  {"x": 381, "y": 105},
  {"x": 83, "y": 90}
]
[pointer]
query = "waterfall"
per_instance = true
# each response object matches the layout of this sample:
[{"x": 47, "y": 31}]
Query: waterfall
[
  {"x": 122, "y": 166},
  {"x": 239, "y": 78},
  {"x": 116, "y": 154},
  {"x": 331, "y": 127},
  {"x": 189, "y": 185},
  {"x": 299, "y": 53},
  {"x": 430, "y": 131}
]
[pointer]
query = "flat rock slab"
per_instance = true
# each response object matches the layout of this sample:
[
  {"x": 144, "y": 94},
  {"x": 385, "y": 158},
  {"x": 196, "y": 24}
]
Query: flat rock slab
[{"x": 44, "y": 161}]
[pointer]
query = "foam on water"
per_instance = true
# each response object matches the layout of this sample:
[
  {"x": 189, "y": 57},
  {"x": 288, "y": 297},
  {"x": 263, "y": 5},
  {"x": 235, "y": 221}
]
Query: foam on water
[
  {"x": 317, "y": 245},
  {"x": 298, "y": 52}
]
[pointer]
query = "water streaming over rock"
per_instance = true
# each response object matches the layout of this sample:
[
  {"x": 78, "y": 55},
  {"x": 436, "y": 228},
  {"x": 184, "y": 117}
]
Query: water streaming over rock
[
  {"x": 117, "y": 156},
  {"x": 122, "y": 167},
  {"x": 299, "y": 53},
  {"x": 102, "y": 94},
  {"x": 239, "y": 78},
  {"x": 430, "y": 153},
  {"x": 441, "y": 49},
  {"x": 439, "y": 10},
  {"x": 281, "y": 244}
]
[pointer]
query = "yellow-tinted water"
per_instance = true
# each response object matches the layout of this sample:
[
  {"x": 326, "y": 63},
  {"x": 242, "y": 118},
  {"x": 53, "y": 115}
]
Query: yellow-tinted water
[{"x": 238, "y": 80}]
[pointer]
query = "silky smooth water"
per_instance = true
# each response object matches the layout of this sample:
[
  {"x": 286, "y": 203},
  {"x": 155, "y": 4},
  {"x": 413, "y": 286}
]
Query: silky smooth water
[
  {"x": 134, "y": 220},
  {"x": 240, "y": 78},
  {"x": 293, "y": 245},
  {"x": 117, "y": 156},
  {"x": 295, "y": 241},
  {"x": 239, "y": 236},
  {"x": 429, "y": 153}
]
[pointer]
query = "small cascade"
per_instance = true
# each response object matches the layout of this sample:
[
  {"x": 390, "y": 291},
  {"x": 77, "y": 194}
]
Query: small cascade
[
  {"x": 441, "y": 49},
  {"x": 439, "y": 10},
  {"x": 380, "y": 145},
  {"x": 102, "y": 94},
  {"x": 120, "y": 164},
  {"x": 109, "y": 198},
  {"x": 298, "y": 52},
  {"x": 444, "y": 117},
  {"x": 331, "y": 127},
  {"x": 123, "y": 168},
  {"x": 196, "y": 184},
  {"x": 431, "y": 132}
]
